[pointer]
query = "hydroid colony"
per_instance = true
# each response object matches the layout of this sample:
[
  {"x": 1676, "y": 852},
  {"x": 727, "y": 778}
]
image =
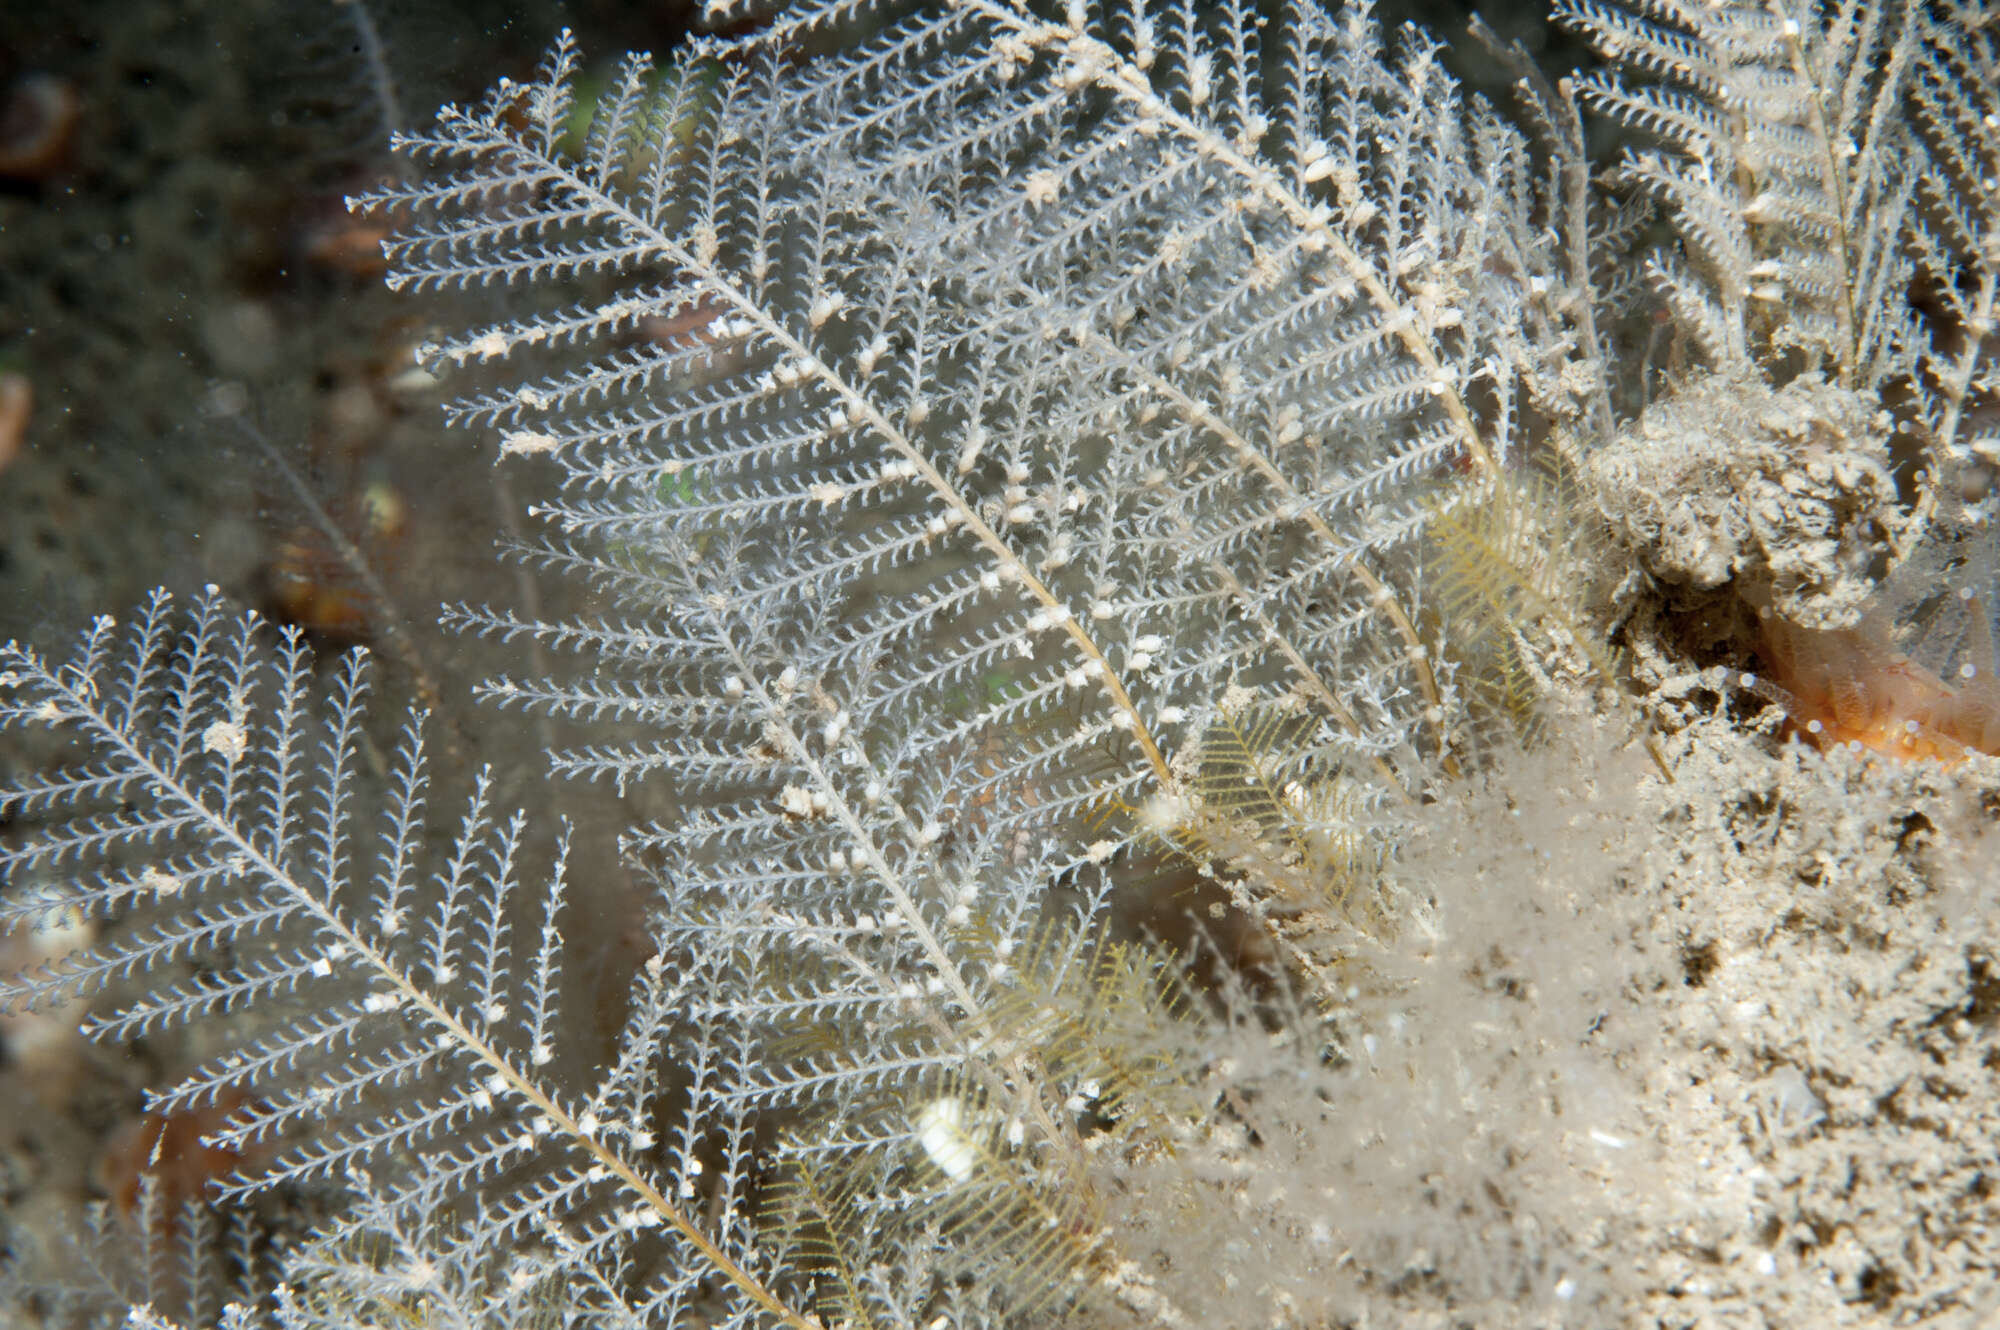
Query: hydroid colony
[{"x": 1017, "y": 444}]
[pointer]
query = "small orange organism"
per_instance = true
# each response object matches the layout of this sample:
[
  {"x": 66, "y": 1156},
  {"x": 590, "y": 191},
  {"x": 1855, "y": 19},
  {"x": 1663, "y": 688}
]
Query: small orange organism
[
  {"x": 1916, "y": 677},
  {"x": 1852, "y": 687}
]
